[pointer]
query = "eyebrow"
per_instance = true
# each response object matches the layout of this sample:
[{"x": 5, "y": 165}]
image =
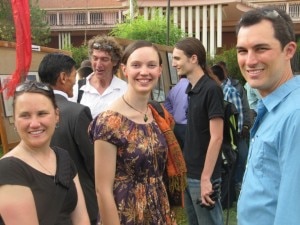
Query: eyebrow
[
  {"x": 255, "y": 46},
  {"x": 151, "y": 61}
]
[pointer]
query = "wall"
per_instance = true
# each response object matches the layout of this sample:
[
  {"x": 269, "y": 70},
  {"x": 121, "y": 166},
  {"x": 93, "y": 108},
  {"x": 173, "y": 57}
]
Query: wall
[{"x": 9, "y": 138}]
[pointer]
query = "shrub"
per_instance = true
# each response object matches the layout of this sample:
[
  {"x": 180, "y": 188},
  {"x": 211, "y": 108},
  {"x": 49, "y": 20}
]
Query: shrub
[{"x": 153, "y": 30}]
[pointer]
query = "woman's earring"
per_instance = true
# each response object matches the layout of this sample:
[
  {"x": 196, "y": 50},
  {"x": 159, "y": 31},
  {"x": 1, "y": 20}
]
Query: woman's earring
[{"x": 57, "y": 126}]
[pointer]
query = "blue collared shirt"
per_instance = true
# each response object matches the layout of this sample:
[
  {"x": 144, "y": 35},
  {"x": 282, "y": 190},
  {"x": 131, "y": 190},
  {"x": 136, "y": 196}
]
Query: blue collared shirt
[
  {"x": 177, "y": 101},
  {"x": 270, "y": 192}
]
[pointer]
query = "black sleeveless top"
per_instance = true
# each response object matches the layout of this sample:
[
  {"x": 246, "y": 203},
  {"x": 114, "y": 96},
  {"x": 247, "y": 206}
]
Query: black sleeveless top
[{"x": 55, "y": 196}]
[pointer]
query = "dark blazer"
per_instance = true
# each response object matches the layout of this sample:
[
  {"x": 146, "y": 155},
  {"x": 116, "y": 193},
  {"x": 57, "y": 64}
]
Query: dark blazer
[{"x": 71, "y": 134}]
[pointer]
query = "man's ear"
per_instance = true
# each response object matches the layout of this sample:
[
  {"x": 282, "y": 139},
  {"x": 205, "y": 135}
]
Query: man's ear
[
  {"x": 194, "y": 59},
  {"x": 62, "y": 77},
  {"x": 290, "y": 49}
]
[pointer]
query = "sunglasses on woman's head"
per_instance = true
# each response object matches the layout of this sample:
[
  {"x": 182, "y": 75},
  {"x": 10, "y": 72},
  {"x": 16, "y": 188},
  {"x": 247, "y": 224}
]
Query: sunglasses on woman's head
[{"x": 28, "y": 85}]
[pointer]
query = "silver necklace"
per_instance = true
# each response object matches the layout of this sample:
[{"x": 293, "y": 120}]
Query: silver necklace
[
  {"x": 41, "y": 164},
  {"x": 145, "y": 114}
]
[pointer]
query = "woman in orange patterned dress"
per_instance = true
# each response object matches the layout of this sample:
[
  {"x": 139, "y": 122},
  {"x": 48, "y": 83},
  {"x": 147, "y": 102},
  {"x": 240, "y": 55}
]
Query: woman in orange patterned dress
[{"x": 130, "y": 149}]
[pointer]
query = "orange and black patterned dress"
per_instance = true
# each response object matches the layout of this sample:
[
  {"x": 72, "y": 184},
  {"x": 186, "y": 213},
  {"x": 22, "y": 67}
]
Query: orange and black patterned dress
[{"x": 139, "y": 191}]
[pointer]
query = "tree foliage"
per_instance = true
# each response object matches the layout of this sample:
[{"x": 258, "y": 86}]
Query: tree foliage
[
  {"x": 154, "y": 30},
  {"x": 296, "y": 59},
  {"x": 78, "y": 53},
  {"x": 6, "y": 21},
  {"x": 40, "y": 30},
  {"x": 229, "y": 56}
]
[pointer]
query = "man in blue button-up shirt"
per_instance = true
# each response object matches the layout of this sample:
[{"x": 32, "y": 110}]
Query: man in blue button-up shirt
[
  {"x": 177, "y": 103},
  {"x": 270, "y": 190}
]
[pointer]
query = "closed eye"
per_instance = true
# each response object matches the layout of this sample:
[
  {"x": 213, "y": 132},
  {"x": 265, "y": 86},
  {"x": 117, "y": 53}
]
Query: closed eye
[
  {"x": 43, "y": 113},
  {"x": 24, "y": 115},
  {"x": 135, "y": 65},
  {"x": 153, "y": 66},
  {"x": 241, "y": 51}
]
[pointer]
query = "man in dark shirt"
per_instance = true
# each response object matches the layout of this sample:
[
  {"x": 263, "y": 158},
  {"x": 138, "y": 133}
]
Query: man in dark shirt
[
  {"x": 204, "y": 134},
  {"x": 58, "y": 70}
]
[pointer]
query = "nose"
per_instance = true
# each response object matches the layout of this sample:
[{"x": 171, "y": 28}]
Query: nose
[
  {"x": 34, "y": 123},
  {"x": 98, "y": 63},
  {"x": 144, "y": 70},
  {"x": 251, "y": 59},
  {"x": 174, "y": 63}
]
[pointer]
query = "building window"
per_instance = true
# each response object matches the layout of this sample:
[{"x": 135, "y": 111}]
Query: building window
[
  {"x": 60, "y": 19},
  {"x": 81, "y": 18},
  {"x": 52, "y": 19},
  {"x": 96, "y": 18}
]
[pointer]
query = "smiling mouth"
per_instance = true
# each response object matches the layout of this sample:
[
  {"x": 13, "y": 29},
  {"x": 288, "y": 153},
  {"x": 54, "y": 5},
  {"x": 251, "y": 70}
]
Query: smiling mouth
[
  {"x": 36, "y": 132},
  {"x": 255, "y": 72},
  {"x": 143, "y": 81}
]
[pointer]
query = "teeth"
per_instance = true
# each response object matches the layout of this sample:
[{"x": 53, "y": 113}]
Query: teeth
[
  {"x": 143, "y": 81},
  {"x": 36, "y": 132},
  {"x": 254, "y": 71}
]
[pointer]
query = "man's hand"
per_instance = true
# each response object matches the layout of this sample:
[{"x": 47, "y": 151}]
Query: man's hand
[{"x": 208, "y": 200}]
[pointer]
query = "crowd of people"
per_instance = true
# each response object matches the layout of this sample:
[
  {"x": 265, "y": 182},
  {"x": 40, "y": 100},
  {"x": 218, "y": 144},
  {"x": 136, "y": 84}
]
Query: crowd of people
[{"x": 93, "y": 151}]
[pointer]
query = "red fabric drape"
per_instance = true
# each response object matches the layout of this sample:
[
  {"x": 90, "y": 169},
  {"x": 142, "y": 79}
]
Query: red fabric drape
[{"x": 21, "y": 15}]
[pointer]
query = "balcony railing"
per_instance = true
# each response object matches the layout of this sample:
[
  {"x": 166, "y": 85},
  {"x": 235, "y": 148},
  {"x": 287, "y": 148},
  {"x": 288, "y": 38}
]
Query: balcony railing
[
  {"x": 83, "y": 20},
  {"x": 291, "y": 7}
]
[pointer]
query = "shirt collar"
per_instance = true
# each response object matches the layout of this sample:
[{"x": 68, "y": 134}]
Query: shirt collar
[
  {"x": 114, "y": 84},
  {"x": 58, "y": 92},
  {"x": 274, "y": 99},
  {"x": 198, "y": 85}
]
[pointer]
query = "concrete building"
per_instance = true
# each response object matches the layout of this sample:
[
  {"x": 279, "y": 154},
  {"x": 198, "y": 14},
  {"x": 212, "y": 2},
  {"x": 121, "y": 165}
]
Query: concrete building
[{"x": 212, "y": 21}]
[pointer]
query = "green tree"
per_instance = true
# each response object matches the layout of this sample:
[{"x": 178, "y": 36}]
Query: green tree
[
  {"x": 296, "y": 59},
  {"x": 40, "y": 30},
  {"x": 6, "y": 21},
  {"x": 229, "y": 56},
  {"x": 153, "y": 30},
  {"x": 78, "y": 53}
]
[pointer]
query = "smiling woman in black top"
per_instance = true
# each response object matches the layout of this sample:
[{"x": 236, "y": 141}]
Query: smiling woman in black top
[{"x": 38, "y": 184}]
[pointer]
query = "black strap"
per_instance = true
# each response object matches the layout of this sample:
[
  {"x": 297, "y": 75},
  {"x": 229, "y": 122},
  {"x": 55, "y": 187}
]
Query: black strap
[
  {"x": 157, "y": 106},
  {"x": 80, "y": 92}
]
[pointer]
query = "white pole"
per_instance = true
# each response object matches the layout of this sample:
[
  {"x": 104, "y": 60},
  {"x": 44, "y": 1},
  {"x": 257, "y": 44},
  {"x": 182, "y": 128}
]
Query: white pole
[{"x": 131, "y": 9}]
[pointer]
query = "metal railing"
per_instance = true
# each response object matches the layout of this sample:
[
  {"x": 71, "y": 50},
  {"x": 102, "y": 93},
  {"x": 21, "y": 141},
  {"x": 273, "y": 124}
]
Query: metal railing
[
  {"x": 291, "y": 7},
  {"x": 82, "y": 20}
]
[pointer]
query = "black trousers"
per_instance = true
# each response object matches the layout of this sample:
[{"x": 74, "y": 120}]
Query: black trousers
[{"x": 179, "y": 131}]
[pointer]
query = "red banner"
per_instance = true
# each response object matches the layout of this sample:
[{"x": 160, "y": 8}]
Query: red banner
[{"x": 21, "y": 15}]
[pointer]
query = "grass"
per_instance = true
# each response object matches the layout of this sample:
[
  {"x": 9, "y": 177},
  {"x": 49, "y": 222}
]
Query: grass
[{"x": 182, "y": 220}]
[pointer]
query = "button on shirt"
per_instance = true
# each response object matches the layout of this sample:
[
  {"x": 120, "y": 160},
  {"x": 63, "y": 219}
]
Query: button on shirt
[{"x": 270, "y": 192}]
